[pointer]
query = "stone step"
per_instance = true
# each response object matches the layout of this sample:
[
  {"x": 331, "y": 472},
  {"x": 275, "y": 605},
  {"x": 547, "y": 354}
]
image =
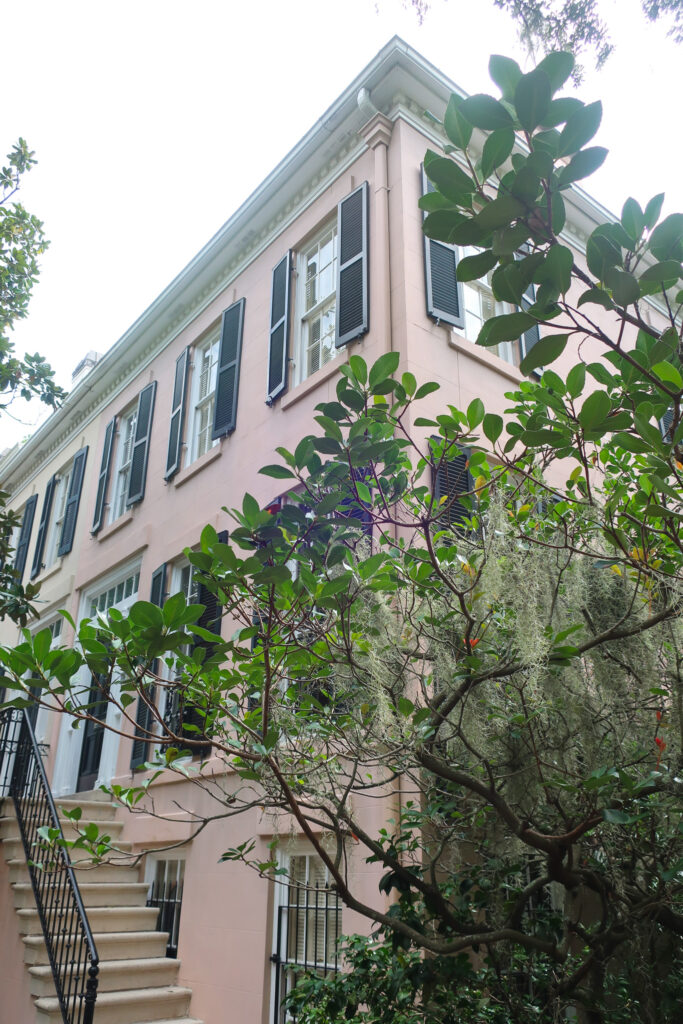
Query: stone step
[
  {"x": 110, "y": 946},
  {"x": 99, "y": 810},
  {"x": 9, "y": 828},
  {"x": 115, "y": 975},
  {"x": 13, "y": 849},
  {"x": 130, "y": 1006},
  {"x": 94, "y": 894},
  {"x": 102, "y": 919},
  {"x": 104, "y": 872}
]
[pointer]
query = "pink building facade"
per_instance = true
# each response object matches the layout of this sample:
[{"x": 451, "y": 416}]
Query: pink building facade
[{"x": 172, "y": 423}]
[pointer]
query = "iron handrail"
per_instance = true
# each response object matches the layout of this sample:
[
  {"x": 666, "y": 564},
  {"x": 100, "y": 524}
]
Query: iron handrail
[{"x": 68, "y": 938}]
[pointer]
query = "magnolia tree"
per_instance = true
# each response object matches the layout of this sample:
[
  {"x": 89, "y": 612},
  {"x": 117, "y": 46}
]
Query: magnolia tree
[{"x": 429, "y": 620}]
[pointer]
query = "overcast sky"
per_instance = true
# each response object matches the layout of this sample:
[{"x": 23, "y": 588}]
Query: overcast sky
[{"x": 153, "y": 120}]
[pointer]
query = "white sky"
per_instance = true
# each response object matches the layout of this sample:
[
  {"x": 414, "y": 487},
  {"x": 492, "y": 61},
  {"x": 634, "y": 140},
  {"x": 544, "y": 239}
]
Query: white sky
[{"x": 154, "y": 119}]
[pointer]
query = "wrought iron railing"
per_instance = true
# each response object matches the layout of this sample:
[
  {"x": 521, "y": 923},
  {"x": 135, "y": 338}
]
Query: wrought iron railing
[
  {"x": 70, "y": 946},
  {"x": 167, "y": 896},
  {"x": 307, "y": 940}
]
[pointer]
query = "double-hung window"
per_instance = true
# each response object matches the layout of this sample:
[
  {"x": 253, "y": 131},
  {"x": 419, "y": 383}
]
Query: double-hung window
[
  {"x": 480, "y": 305},
  {"x": 58, "y": 511},
  {"x": 124, "y": 459},
  {"x": 317, "y": 302},
  {"x": 203, "y": 397}
]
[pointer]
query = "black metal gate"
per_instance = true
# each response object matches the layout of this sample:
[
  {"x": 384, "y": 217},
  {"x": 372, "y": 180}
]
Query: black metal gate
[{"x": 307, "y": 934}]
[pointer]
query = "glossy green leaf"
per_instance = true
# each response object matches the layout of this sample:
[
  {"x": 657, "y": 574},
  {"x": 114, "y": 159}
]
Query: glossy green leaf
[
  {"x": 475, "y": 413},
  {"x": 507, "y": 241},
  {"x": 442, "y": 223},
  {"x": 669, "y": 374},
  {"x": 558, "y": 66},
  {"x": 597, "y": 296},
  {"x": 601, "y": 255},
  {"x": 492, "y": 426},
  {"x": 471, "y": 268},
  {"x": 485, "y": 112},
  {"x": 532, "y": 98},
  {"x": 497, "y": 149},
  {"x": 383, "y": 368},
  {"x": 668, "y": 270},
  {"x": 449, "y": 178},
  {"x": 595, "y": 409},
  {"x": 499, "y": 213},
  {"x": 506, "y": 73},
  {"x": 556, "y": 269},
  {"x": 526, "y": 185},
  {"x": 277, "y": 472},
  {"x": 507, "y": 327},
  {"x": 666, "y": 241},
  {"x": 561, "y": 110},
  {"x": 630, "y": 443},
  {"x": 458, "y": 128},
  {"x": 580, "y": 128},
  {"x": 653, "y": 210},
  {"x": 623, "y": 286},
  {"x": 576, "y": 379},
  {"x": 546, "y": 350},
  {"x": 632, "y": 219},
  {"x": 359, "y": 367},
  {"x": 583, "y": 163}
]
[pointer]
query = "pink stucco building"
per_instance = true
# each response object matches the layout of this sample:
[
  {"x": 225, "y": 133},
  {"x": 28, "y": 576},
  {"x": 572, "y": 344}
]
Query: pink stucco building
[{"x": 171, "y": 424}]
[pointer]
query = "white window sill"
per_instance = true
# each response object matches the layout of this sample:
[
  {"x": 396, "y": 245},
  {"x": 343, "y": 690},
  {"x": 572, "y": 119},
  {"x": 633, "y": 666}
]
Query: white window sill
[
  {"x": 484, "y": 356},
  {"x": 311, "y": 383},
  {"x": 117, "y": 525},
  {"x": 195, "y": 467}
]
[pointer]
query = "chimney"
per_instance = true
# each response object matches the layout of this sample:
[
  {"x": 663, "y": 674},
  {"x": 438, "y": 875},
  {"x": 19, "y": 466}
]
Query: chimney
[{"x": 84, "y": 367}]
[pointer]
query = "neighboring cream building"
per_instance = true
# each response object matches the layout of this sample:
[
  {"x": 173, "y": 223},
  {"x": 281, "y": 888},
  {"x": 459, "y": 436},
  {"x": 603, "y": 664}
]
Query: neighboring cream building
[{"x": 325, "y": 258}]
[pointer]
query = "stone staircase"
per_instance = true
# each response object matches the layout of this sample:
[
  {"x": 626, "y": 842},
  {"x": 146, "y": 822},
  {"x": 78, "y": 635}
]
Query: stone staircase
[{"x": 137, "y": 981}]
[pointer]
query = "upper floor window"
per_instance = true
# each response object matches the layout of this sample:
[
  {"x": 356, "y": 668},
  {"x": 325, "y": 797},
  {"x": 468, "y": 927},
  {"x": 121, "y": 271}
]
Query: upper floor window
[
  {"x": 58, "y": 511},
  {"x": 123, "y": 461},
  {"x": 203, "y": 398},
  {"x": 317, "y": 302},
  {"x": 118, "y": 595}
]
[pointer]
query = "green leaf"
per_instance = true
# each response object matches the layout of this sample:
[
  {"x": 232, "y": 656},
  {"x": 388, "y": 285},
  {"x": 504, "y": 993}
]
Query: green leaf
[
  {"x": 484, "y": 112},
  {"x": 409, "y": 383},
  {"x": 359, "y": 367},
  {"x": 595, "y": 409},
  {"x": 492, "y": 426},
  {"x": 146, "y": 614},
  {"x": 507, "y": 327},
  {"x": 668, "y": 270},
  {"x": 582, "y": 164},
  {"x": 617, "y": 817},
  {"x": 272, "y": 574},
  {"x": 632, "y": 219},
  {"x": 576, "y": 379},
  {"x": 507, "y": 241},
  {"x": 623, "y": 286},
  {"x": 532, "y": 98},
  {"x": 499, "y": 213},
  {"x": 666, "y": 241},
  {"x": 442, "y": 223},
  {"x": 471, "y": 268},
  {"x": 630, "y": 443},
  {"x": 556, "y": 269},
  {"x": 558, "y": 66},
  {"x": 669, "y": 374},
  {"x": 277, "y": 472},
  {"x": 580, "y": 128},
  {"x": 449, "y": 178},
  {"x": 383, "y": 368},
  {"x": 653, "y": 210},
  {"x": 597, "y": 296},
  {"x": 601, "y": 255},
  {"x": 546, "y": 350},
  {"x": 561, "y": 110},
  {"x": 526, "y": 185},
  {"x": 506, "y": 73},
  {"x": 497, "y": 149},
  {"x": 458, "y": 128},
  {"x": 426, "y": 389},
  {"x": 475, "y": 413}
]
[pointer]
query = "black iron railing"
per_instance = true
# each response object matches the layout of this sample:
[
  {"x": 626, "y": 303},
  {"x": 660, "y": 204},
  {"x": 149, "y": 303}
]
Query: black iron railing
[
  {"x": 70, "y": 947},
  {"x": 167, "y": 896},
  {"x": 307, "y": 939}
]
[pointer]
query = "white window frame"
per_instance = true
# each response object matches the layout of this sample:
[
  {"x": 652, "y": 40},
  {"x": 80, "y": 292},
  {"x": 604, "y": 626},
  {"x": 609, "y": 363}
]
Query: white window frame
[
  {"x": 282, "y": 890},
  {"x": 203, "y": 397},
  {"x": 57, "y": 515},
  {"x": 310, "y": 356},
  {"x": 475, "y": 292},
  {"x": 125, "y": 439},
  {"x": 67, "y": 761}
]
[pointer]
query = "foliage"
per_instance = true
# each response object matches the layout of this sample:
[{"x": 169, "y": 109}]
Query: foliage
[
  {"x": 21, "y": 243},
  {"x": 501, "y": 664}
]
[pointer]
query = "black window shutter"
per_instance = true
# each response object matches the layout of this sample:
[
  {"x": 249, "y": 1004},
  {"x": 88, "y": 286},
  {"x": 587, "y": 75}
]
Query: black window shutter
[
  {"x": 43, "y": 526},
  {"x": 143, "y": 430},
  {"x": 451, "y": 477},
  {"x": 209, "y": 619},
  {"x": 666, "y": 423},
  {"x": 143, "y": 716},
  {"x": 103, "y": 480},
  {"x": 228, "y": 375},
  {"x": 73, "y": 500},
  {"x": 444, "y": 293},
  {"x": 175, "y": 434},
  {"x": 278, "y": 346},
  {"x": 25, "y": 535},
  {"x": 353, "y": 312}
]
